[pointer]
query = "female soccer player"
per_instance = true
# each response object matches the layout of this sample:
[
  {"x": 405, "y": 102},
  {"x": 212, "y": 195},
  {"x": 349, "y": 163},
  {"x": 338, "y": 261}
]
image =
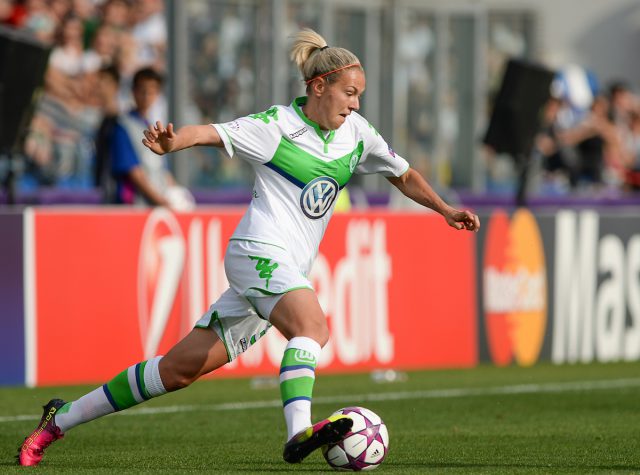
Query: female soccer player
[{"x": 302, "y": 154}]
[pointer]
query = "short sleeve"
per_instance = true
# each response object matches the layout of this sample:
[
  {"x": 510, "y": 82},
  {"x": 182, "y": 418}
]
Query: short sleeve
[
  {"x": 377, "y": 156},
  {"x": 254, "y": 138}
]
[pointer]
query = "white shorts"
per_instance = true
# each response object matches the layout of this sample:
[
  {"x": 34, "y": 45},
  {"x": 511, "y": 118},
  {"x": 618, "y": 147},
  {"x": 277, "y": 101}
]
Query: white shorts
[{"x": 259, "y": 275}]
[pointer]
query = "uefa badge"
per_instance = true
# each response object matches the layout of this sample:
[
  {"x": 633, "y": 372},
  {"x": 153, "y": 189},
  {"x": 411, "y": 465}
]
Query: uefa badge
[{"x": 318, "y": 196}]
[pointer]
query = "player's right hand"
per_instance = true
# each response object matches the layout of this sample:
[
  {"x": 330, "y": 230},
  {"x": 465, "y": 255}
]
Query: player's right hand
[{"x": 159, "y": 139}]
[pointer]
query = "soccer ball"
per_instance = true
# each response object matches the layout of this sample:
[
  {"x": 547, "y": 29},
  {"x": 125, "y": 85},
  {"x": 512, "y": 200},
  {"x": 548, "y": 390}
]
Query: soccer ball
[{"x": 364, "y": 447}]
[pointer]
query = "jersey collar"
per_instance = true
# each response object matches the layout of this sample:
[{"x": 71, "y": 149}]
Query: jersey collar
[{"x": 297, "y": 106}]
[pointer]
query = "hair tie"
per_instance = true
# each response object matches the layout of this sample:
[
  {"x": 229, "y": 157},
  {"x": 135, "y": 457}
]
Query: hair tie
[{"x": 324, "y": 47}]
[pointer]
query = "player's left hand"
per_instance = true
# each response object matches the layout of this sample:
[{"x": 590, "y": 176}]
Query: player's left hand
[{"x": 463, "y": 220}]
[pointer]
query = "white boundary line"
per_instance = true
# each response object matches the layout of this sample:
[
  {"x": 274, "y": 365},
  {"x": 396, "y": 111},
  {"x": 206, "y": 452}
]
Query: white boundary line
[
  {"x": 29, "y": 295},
  {"x": 384, "y": 396}
]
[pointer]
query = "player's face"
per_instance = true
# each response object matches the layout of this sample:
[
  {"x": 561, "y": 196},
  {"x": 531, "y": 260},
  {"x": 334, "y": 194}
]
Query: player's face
[{"x": 341, "y": 97}]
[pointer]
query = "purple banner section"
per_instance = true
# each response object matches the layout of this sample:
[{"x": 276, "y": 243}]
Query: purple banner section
[{"x": 12, "y": 364}]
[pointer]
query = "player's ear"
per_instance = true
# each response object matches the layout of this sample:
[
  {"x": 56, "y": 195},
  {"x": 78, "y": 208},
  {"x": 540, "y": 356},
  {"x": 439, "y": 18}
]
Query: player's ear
[{"x": 318, "y": 86}]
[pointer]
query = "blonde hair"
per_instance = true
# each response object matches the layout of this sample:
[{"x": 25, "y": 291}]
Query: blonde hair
[{"x": 315, "y": 58}]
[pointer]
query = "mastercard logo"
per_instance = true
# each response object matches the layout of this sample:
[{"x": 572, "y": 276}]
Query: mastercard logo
[{"x": 514, "y": 288}]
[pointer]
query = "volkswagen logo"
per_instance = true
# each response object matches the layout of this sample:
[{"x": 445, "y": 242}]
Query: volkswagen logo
[{"x": 318, "y": 196}]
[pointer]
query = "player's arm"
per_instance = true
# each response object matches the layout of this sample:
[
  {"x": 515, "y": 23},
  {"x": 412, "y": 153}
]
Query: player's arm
[
  {"x": 414, "y": 186},
  {"x": 139, "y": 178},
  {"x": 161, "y": 139}
]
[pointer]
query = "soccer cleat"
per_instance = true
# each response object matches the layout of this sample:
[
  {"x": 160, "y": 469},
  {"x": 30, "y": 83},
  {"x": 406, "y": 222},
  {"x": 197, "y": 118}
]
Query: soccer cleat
[
  {"x": 32, "y": 449},
  {"x": 328, "y": 431}
]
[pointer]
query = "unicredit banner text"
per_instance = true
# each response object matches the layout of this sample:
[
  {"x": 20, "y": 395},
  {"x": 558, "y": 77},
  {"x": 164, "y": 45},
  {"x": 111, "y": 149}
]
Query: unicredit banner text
[{"x": 111, "y": 288}]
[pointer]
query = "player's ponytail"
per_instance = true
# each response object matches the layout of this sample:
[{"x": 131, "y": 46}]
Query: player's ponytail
[{"x": 315, "y": 59}]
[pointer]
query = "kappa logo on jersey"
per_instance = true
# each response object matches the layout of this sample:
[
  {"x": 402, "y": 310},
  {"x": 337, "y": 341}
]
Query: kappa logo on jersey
[
  {"x": 392, "y": 153},
  {"x": 318, "y": 196},
  {"x": 302, "y": 356},
  {"x": 298, "y": 133}
]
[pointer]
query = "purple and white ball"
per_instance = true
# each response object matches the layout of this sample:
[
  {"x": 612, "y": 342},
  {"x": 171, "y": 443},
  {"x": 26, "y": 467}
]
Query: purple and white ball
[{"x": 364, "y": 447}]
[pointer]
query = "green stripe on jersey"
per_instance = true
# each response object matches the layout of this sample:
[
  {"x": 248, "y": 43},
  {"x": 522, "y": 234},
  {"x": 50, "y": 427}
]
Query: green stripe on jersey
[{"x": 304, "y": 166}]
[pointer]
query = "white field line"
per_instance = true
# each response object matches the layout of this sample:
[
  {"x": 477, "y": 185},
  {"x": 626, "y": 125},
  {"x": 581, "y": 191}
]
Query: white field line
[{"x": 382, "y": 396}]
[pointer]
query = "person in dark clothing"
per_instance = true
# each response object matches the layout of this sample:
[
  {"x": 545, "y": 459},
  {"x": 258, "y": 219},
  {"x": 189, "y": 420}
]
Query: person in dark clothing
[{"x": 108, "y": 86}]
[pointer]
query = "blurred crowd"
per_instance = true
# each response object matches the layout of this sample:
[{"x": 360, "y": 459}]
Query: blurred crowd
[
  {"x": 93, "y": 43},
  {"x": 589, "y": 141},
  {"x": 590, "y": 145}
]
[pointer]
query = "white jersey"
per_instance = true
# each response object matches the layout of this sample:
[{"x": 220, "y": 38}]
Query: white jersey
[{"x": 300, "y": 170}]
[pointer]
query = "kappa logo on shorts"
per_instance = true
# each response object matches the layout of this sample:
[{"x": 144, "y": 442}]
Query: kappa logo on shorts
[
  {"x": 264, "y": 267},
  {"x": 243, "y": 344},
  {"x": 302, "y": 356},
  {"x": 318, "y": 196}
]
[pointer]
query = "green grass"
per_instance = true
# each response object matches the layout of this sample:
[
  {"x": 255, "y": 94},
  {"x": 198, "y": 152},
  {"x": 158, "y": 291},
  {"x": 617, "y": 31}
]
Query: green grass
[{"x": 551, "y": 426}]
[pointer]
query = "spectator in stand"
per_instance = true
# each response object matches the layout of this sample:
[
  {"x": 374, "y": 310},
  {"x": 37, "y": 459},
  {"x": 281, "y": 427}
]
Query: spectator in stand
[
  {"x": 10, "y": 14},
  {"x": 60, "y": 123},
  {"x": 59, "y": 142},
  {"x": 558, "y": 161},
  {"x": 40, "y": 20},
  {"x": 622, "y": 103},
  {"x": 108, "y": 87},
  {"x": 602, "y": 154},
  {"x": 141, "y": 178},
  {"x": 61, "y": 9},
  {"x": 588, "y": 155},
  {"x": 13, "y": 13},
  {"x": 86, "y": 11},
  {"x": 116, "y": 14},
  {"x": 150, "y": 33},
  {"x": 632, "y": 179},
  {"x": 104, "y": 48}
]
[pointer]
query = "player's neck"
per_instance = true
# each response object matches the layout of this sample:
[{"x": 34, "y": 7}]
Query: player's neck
[{"x": 313, "y": 115}]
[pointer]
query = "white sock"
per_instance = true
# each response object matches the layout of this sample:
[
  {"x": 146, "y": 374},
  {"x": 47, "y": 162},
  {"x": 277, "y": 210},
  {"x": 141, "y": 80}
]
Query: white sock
[
  {"x": 88, "y": 407},
  {"x": 297, "y": 414},
  {"x": 134, "y": 385}
]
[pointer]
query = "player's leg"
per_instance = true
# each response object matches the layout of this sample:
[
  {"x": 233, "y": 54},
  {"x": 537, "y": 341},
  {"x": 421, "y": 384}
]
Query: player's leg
[
  {"x": 200, "y": 352},
  {"x": 299, "y": 317}
]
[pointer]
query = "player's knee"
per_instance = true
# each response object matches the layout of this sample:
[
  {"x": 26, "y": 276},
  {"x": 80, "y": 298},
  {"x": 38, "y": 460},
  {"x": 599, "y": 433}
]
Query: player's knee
[
  {"x": 317, "y": 331},
  {"x": 177, "y": 381},
  {"x": 174, "y": 378},
  {"x": 321, "y": 334}
]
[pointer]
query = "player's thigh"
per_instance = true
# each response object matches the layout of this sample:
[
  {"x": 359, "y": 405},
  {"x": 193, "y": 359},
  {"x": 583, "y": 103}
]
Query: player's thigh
[{"x": 298, "y": 313}]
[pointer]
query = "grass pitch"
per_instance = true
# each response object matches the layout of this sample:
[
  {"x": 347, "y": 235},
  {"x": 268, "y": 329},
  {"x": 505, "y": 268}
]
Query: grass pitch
[{"x": 545, "y": 419}]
